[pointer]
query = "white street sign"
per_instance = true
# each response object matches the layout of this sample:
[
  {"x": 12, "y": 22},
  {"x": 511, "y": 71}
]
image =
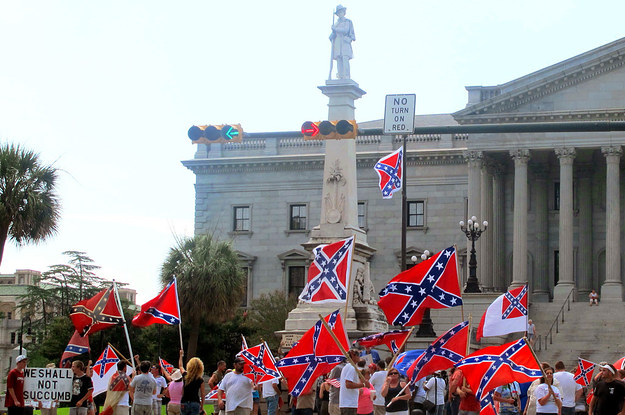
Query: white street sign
[{"x": 399, "y": 114}]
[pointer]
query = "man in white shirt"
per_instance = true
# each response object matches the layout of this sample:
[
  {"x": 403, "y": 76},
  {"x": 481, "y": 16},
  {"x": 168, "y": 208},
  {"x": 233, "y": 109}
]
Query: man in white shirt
[
  {"x": 161, "y": 383},
  {"x": 238, "y": 390},
  {"x": 377, "y": 381},
  {"x": 350, "y": 383},
  {"x": 271, "y": 393},
  {"x": 571, "y": 390}
]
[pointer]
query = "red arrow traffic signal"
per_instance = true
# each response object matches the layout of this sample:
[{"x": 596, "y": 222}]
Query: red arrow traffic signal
[{"x": 310, "y": 129}]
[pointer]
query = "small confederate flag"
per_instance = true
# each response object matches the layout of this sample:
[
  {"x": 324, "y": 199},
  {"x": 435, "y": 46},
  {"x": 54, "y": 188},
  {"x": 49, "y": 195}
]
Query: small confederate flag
[
  {"x": 77, "y": 345},
  {"x": 163, "y": 309},
  {"x": 583, "y": 374},
  {"x": 507, "y": 314},
  {"x": 261, "y": 365},
  {"x": 168, "y": 366},
  {"x": 328, "y": 275},
  {"x": 103, "y": 370},
  {"x": 432, "y": 283},
  {"x": 96, "y": 313},
  {"x": 212, "y": 394},
  {"x": 314, "y": 355},
  {"x": 497, "y": 365},
  {"x": 392, "y": 339},
  {"x": 389, "y": 169},
  {"x": 620, "y": 364},
  {"x": 443, "y": 353}
]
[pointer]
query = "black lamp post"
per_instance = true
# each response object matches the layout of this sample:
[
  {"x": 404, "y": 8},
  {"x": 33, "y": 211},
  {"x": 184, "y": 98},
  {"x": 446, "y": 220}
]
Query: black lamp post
[
  {"x": 426, "y": 328},
  {"x": 473, "y": 230}
]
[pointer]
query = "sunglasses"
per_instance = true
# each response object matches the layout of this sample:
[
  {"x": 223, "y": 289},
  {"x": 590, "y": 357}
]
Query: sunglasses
[{"x": 394, "y": 373}]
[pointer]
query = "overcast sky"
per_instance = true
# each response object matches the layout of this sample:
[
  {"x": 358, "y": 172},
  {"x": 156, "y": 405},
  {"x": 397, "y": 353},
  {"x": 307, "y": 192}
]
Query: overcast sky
[{"x": 106, "y": 91}]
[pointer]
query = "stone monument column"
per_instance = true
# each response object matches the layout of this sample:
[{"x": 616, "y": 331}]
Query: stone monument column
[
  {"x": 519, "y": 251},
  {"x": 498, "y": 229},
  {"x": 586, "y": 257},
  {"x": 612, "y": 288},
  {"x": 487, "y": 215},
  {"x": 474, "y": 160},
  {"x": 565, "y": 278},
  {"x": 540, "y": 286}
]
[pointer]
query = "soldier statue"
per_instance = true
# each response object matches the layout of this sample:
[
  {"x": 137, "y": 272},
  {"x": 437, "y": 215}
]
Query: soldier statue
[{"x": 342, "y": 37}]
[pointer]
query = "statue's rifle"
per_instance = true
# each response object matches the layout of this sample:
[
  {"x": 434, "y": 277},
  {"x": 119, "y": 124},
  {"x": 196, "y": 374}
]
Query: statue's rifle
[{"x": 332, "y": 49}]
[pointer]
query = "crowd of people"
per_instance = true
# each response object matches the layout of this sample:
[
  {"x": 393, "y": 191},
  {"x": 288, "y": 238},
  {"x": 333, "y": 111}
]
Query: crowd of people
[{"x": 368, "y": 386}]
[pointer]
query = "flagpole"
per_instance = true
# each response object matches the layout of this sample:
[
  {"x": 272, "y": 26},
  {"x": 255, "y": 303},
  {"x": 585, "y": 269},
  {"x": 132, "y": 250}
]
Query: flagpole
[
  {"x": 338, "y": 343},
  {"x": 390, "y": 365},
  {"x": 459, "y": 282},
  {"x": 273, "y": 359},
  {"x": 118, "y": 352},
  {"x": 179, "y": 314},
  {"x": 121, "y": 311},
  {"x": 469, "y": 336},
  {"x": 538, "y": 362},
  {"x": 344, "y": 318}
]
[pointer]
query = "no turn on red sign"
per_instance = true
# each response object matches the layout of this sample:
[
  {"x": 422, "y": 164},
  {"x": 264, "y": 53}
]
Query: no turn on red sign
[{"x": 399, "y": 114}]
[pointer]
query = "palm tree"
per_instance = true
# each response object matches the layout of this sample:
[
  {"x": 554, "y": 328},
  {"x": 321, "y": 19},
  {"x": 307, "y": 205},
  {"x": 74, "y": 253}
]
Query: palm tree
[
  {"x": 29, "y": 207},
  {"x": 210, "y": 282}
]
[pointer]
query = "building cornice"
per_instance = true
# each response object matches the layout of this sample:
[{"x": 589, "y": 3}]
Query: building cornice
[{"x": 551, "y": 116}]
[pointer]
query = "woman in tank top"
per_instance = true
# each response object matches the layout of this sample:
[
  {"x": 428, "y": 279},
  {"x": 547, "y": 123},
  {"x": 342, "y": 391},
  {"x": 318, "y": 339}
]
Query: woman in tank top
[{"x": 396, "y": 403}]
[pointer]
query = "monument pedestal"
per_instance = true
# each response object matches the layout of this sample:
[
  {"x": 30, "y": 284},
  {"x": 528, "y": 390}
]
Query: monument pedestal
[{"x": 339, "y": 220}]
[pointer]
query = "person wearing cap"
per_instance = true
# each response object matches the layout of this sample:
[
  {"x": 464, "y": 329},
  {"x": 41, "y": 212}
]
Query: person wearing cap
[
  {"x": 238, "y": 390},
  {"x": 14, "y": 400},
  {"x": 350, "y": 384},
  {"x": 341, "y": 38},
  {"x": 174, "y": 392},
  {"x": 608, "y": 394},
  {"x": 82, "y": 388}
]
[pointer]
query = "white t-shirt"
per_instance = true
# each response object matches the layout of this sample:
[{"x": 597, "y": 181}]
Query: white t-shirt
[
  {"x": 377, "y": 381},
  {"x": 268, "y": 389},
  {"x": 238, "y": 390},
  {"x": 568, "y": 386},
  {"x": 348, "y": 398},
  {"x": 436, "y": 390},
  {"x": 419, "y": 397},
  {"x": 550, "y": 407},
  {"x": 160, "y": 384},
  {"x": 124, "y": 401}
]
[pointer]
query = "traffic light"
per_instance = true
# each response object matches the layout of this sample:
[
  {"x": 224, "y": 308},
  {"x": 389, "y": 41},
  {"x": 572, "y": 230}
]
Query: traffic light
[
  {"x": 329, "y": 130},
  {"x": 207, "y": 134}
]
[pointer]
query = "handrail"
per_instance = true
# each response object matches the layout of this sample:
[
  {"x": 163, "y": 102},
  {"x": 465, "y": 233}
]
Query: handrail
[{"x": 567, "y": 302}]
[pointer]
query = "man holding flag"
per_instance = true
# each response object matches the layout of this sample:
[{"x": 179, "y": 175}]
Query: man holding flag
[{"x": 238, "y": 389}]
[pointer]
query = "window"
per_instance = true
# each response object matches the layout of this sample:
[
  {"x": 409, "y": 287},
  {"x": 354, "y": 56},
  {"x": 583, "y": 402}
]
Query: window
[
  {"x": 9, "y": 315},
  {"x": 416, "y": 214},
  {"x": 297, "y": 217},
  {"x": 13, "y": 338},
  {"x": 241, "y": 219},
  {"x": 246, "y": 272},
  {"x": 297, "y": 279},
  {"x": 362, "y": 215},
  {"x": 556, "y": 267},
  {"x": 556, "y": 196}
]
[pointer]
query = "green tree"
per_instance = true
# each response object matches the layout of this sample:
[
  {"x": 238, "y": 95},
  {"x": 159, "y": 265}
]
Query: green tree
[
  {"x": 210, "y": 282},
  {"x": 29, "y": 206},
  {"x": 267, "y": 315}
]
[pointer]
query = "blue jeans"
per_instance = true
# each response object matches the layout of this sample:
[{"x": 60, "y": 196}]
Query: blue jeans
[
  {"x": 438, "y": 410},
  {"x": 272, "y": 404},
  {"x": 190, "y": 408}
]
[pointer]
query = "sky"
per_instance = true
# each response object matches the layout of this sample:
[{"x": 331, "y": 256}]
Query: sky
[{"x": 105, "y": 91}]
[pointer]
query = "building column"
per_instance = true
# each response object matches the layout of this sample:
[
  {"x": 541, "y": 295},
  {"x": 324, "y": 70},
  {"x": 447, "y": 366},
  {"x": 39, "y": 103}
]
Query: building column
[
  {"x": 586, "y": 257},
  {"x": 519, "y": 251},
  {"x": 486, "y": 256},
  {"x": 498, "y": 229},
  {"x": 566, "y": 280},
  {"x": 474, "y": 160},
  {"x": 612, "y": 288},
  {"x": 540, "y": 285}
]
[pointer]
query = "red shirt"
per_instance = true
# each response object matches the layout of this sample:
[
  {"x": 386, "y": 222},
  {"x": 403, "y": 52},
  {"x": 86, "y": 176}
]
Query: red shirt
[
  {"x": 469, "y": 402},
  {"x": 15, "y": 381}
]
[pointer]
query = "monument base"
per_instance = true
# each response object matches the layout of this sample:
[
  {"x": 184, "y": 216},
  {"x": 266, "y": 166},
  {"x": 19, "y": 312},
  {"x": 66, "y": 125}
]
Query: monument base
[{"x": 611, "y": 292}]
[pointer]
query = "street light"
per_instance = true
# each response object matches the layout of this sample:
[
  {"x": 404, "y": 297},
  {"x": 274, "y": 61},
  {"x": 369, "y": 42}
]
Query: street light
[
  {"x": 473, "y": 230},
  {"x": 426, "y": 328}
]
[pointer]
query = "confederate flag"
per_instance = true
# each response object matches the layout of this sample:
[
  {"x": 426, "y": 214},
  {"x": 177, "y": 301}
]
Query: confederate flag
[
  {"x": 497, "y": 365},
  {"x": 96, "y": 313},
  {"x": 261, "y": 365},
  {"x": 392, "y": 339},
  {"x": 314, "y": 355},
  {"x": 583, "y": 374},
  {"x": 166, "y": 365},
  {"x": 389, "y": 171},
  {"x": 443, "y": 353},
  {"x": 163, "y": 309},
  {"x": 432, "y": 283},
  {"x": 77, "y": 345},
  {"x": 507, "y": 314},
  {"x": 328, "y": 275}
]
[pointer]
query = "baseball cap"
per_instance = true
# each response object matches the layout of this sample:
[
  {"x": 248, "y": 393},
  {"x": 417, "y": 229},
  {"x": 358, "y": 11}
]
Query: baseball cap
[{"x": 20, "y": 358}]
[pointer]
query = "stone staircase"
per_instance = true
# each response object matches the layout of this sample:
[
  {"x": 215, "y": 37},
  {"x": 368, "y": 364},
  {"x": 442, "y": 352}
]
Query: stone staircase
[{"x": 592, "y": 333}]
